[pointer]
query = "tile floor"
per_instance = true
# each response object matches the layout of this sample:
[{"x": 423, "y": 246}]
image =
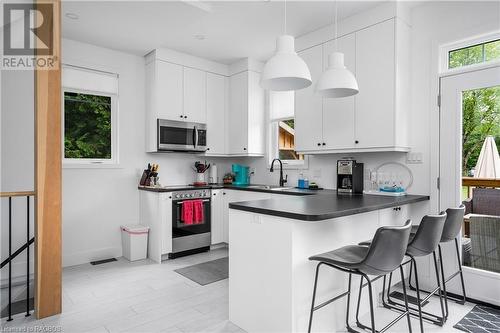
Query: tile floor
[{"x": 146, "y": 297}]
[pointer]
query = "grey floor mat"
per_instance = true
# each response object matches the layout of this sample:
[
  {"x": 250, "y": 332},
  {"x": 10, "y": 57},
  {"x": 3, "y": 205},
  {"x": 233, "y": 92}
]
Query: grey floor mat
[
  {"x": 480, "y": 319},
  {"x": 207, "y": 272}
]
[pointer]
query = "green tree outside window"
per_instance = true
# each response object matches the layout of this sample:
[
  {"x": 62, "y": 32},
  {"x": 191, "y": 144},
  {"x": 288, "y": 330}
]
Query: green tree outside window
[{"x": 87, "y": 126}]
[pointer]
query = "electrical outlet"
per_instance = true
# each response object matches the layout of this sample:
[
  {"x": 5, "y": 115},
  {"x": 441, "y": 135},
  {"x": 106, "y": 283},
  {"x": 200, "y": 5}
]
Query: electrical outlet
[
  {"x": 252, "y": 171},
  {"x": 414, "y": 158}
]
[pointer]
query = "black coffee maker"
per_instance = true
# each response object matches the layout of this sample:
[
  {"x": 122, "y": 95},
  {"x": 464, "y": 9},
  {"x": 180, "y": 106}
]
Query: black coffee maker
[{"x": 349, "y": 177}]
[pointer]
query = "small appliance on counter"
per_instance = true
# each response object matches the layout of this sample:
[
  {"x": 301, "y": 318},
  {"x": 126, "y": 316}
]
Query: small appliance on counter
[
  {"x": 241, "y": 174},
  {"x": 390, "y": 182},
  {"x": 200, "y": 169},
  {"x": 213, "y": 178},
  {"x": 349, "y": 177}
]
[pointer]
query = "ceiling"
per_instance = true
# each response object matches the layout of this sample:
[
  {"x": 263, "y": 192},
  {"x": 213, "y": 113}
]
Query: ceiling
[{"x": 222, "y": 31}]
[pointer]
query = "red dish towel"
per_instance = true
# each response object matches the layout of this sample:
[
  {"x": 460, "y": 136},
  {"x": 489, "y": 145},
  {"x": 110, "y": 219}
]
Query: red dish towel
[
  {"x": 187, "y": 212},
  {"x": 198, "y": 211}
]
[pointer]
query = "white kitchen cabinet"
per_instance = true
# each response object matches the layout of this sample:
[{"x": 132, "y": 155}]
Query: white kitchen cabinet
[
  {"x": 236, "y": 196},
  {"x": 217, "y": 217},
  {"x": 309, "y": 105},
  {"x": 168, "y": 91},
  {"x": 195, "y": 95},
  {"x": 246, "y": 115},
  {"x": 394, "y": 216},
  {"x": 155, "y": 212},
  {"x": 217, "y": 98},
  {"x": 375, "y": 64},
  {"x": 339, "y": 113},
  {"x": 376, "y": 119}
]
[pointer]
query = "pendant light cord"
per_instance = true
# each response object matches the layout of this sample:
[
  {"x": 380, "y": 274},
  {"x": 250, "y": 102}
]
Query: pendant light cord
[
  {"x": 285, "y": 17},
  {"x": 336, "y": 26}
]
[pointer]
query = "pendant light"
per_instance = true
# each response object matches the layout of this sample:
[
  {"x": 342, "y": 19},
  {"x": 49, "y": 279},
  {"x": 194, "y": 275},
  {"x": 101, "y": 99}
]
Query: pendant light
[
  {"x": 337, "y": 81},
  {"x": 285, "y": 71}
]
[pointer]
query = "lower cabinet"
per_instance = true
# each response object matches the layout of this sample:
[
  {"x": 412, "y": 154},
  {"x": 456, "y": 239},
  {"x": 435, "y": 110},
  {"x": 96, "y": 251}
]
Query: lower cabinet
[
  {"x": 394, "y": 216},
  {"x": 229, "y": 196},
  {"x": 217, "y": 217}
]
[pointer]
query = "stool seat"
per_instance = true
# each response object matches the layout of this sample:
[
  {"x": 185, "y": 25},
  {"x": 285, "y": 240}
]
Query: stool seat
[{"x": 350, "y": 256}]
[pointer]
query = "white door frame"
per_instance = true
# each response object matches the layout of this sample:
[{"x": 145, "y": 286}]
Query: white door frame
[{"x": 481, "y": 285}]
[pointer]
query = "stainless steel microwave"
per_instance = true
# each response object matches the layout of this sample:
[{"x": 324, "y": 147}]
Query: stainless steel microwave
[{"x": 181, "y": 136}]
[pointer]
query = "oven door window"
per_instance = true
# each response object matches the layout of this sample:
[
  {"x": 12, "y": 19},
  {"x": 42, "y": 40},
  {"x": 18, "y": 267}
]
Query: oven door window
[
  {"x": 180, "y": 228},
  {"x": 176, "y": 136}
]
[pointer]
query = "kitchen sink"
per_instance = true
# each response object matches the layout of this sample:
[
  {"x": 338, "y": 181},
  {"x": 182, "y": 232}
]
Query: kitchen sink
[{"x": 270, "y": 187}]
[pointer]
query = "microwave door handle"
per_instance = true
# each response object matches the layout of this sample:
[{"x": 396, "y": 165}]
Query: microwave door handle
[{"x": 195, "y": 135}]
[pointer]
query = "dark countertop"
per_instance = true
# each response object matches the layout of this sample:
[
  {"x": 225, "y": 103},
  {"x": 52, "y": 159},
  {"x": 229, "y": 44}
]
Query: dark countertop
[
  {"x": 323, "y": 207},
  {"x": 288, "y": 191}
]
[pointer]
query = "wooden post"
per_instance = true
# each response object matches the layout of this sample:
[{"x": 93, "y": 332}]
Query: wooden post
[{"x": 48, "y": 261}]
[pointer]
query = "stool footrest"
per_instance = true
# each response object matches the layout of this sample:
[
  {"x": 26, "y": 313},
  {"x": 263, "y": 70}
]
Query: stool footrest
[{"x": 330, "y": 301}]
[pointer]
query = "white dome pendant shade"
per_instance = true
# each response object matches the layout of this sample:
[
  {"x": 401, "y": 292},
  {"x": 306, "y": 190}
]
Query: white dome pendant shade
[
  {"x": 337, "y": 81},
  {"x": 285, "y": 70}
]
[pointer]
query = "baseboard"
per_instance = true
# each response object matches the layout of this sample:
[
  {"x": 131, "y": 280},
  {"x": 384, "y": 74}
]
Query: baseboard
[{"x": 86, "y": 257}]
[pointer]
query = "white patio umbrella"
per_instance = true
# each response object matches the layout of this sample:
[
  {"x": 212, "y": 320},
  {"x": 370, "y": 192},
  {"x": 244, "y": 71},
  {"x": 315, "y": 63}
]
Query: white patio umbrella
[{"x": 488, "y": 163}]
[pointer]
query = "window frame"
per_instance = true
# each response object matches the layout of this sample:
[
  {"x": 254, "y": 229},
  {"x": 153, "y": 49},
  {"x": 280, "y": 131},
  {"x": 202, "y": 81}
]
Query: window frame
[
  {"x": 274, "y": 150},
  {"x": 465, "y": 43},
  {"x": 114, "y": 161}
]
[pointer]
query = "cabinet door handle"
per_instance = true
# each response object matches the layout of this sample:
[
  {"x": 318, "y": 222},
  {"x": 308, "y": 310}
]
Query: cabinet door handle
[
  {"x": 208, "y": 148},
  {"x": 319, "y": 144},
  {"x": 356, "y": 142},
  {"x": 324, "y": 144},
  {"x": 181, "y": 116},
  {"x": 244, "y": 149}
]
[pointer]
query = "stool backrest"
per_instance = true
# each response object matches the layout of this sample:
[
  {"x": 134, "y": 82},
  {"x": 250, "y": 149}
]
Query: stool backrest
[
  {"x": 453, "y": 223},
  {"x": 387, "y": 249},
  {"x": 428, "y": 234}
]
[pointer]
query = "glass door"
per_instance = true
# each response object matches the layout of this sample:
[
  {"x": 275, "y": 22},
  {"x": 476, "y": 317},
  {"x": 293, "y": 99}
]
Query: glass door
[{"x": 470, "y": 174}]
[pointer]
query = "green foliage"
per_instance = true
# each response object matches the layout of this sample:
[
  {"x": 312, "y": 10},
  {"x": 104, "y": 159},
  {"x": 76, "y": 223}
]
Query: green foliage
[
  {"x": 87, "y": 126},
  {"x": 481, "y": 118},
  {"x": 474, "y": 54},
  {"x": 290, "y": 122}
]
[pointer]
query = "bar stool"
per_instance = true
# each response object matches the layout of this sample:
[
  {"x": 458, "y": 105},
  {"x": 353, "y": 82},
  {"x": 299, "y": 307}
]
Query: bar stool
[
  {"x": 422, "y": 243},
  {"x": 451, "y": 230},
  {"x": 382, "y": 257}
]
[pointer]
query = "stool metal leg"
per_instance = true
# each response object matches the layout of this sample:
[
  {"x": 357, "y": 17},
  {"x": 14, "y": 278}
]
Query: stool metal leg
[
  {"x": 314, "y": 296},
  {"x": 440, "y": 288},
  {"x": 406, "y": 297},
  {"x": 349, "y": 328},
  {"x": 461, "y": 273},
  {"x": 358, "y": 323},
  {"x": 443, "y": 280},
  {"x": 419, "y": 305}
]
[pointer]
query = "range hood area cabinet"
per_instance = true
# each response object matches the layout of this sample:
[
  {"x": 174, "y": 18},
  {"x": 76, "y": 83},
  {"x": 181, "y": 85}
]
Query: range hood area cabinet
[
  {"x": 228, "y": 99},
  {"x": 376, "y": 119}
]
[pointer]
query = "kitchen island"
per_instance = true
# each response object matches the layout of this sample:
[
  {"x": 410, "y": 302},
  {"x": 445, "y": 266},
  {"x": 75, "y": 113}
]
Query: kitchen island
[{"x": 270, "y": 276}]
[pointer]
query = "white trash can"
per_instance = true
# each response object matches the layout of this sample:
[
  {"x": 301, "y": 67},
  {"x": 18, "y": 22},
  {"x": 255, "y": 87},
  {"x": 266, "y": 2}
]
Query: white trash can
[{"x": 135, "y": 241}]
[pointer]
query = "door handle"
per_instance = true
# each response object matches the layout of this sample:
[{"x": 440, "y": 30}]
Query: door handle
[{"x": 195, "y": 136}]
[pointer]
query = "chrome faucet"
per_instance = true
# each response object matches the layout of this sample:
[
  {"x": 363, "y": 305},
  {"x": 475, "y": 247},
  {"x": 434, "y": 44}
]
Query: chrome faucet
[{"x": 282, "y": 180}]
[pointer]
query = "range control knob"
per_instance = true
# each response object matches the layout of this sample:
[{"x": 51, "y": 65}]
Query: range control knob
[{"x": 177, "y": 196}]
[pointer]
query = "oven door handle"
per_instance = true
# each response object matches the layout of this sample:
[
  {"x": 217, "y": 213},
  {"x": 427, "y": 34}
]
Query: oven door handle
[{"x": 181, "y": 202}]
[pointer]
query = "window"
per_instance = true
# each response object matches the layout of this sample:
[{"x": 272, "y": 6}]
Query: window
[
  {"x": 282, "y": 138},
  {"x": 475, "y": 51},
  {"x": 474, "y": 54},
  {"x": 89, "y": 118}
]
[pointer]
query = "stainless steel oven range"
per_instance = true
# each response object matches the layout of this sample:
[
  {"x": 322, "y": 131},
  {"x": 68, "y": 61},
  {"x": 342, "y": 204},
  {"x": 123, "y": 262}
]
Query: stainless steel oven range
[{"x": 190, "y": 235}]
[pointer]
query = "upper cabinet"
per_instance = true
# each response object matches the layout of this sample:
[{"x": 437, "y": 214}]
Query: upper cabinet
[
  {"x": 376, "y": 118},
  {"x": 217, "y": 105},
  {"x": 195, "y": 95},
  {"x": 246, "y": 116},
  {"x": 228, "y": 99}
]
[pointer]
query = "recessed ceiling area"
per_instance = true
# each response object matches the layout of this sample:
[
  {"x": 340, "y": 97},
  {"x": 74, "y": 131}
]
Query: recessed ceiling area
[{"x": 224, "y": 31}]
